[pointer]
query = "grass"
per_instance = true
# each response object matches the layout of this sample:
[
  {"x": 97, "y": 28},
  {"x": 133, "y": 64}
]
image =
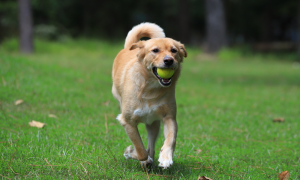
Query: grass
[{"x": 225, "y": 113}]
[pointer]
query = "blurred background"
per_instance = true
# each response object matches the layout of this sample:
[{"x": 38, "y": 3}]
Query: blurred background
[
  {"x": 237, "y": 97},
  {"x": 260, "y": 25}
]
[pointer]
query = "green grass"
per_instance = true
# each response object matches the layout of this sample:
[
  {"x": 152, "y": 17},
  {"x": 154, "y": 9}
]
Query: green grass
[{"x": 225, "y": 113}]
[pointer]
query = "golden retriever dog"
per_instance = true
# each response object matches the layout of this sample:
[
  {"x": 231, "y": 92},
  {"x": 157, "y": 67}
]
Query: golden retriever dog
[{"x": 144, "y": 96}]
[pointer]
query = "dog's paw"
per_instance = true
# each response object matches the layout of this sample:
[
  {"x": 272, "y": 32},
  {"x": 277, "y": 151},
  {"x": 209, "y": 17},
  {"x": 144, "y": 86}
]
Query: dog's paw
[
  {"x": 121, "y": 119},
  {"x": 148, "y": 163},
  {"x": 129, "y": 153},
  {"x": 165, "y": 158}
]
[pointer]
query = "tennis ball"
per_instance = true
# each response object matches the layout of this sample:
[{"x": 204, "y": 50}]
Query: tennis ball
[{"x": 165, "y": 73}]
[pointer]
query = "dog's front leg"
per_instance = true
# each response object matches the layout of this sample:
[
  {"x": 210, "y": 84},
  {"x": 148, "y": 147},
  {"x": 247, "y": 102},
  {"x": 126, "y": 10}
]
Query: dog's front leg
[
  {"x": 138, "y": 152},
  {"x": 170, "y": 133}
]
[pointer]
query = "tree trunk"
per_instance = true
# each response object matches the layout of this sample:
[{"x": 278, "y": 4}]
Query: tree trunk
[
  {"x": 298, "y": 24},
  {"x": 183, "y": 21},
  {"x": 25, "y": 27},
  {"x": 215, "y": 25},
  {"x": 267, "y": 25}
]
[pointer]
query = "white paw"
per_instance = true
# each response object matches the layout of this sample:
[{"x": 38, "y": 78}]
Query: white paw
[
  {"x": 165, "y": 159},
  {"x": 127, "y": 154}
]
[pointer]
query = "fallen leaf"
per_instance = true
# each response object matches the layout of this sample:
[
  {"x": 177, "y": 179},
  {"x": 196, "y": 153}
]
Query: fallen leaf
[
  {"x": 80, "y": 80},
  {"x": 52, "y": 116},
  {"x": 278, "y": 120},
  {"x": 199, "y": 151},
  {"x": 37, "y": 124},
  {"x": 284, "y": 175},
  {"x": 203, "y": 178},
  {"x": 106, "y": 103},
  {"x": 20, "y": 101}
]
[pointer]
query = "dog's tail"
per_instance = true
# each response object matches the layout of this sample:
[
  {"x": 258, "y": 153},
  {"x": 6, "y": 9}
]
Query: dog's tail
[{"x": 149, "y": 30}]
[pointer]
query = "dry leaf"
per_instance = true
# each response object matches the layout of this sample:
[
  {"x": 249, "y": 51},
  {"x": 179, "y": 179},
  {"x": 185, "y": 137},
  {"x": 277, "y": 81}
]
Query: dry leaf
[
  {"x": 199, "y": 151},
  {"x": 284, "y": 175},
  {"x": 52, "y": 116},
  {"x": 36, "y": 124},
  {"x": 203, "y": 178},
  {"x": 20, "y": 101},
  {"x": 80, "y": 80},
  {"x": 278, "y": 120},
  {"x": 106, "y": 103}
]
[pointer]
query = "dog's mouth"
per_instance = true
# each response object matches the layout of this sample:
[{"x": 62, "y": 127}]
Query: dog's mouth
[{"x": 162, "y": 81}]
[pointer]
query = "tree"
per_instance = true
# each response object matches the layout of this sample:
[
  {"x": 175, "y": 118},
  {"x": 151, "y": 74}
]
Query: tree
[
  {"x": 215, "y": 25},
  {"x": 183, "y": 21},
  {"x": 25, "y": 27},
  {"x": 298, "y": 26}
]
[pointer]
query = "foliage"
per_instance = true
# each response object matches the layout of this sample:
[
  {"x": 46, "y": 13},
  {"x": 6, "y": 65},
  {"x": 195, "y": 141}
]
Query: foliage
[
  {"x": 256, "y": 19},
  {"x": 8, "y": 18},
  {"x": 225, "y": 113},
  {"x": 249, "y": 21}
]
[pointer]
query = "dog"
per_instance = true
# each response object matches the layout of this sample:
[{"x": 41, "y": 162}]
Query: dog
[{"x": 145, "y": 97}]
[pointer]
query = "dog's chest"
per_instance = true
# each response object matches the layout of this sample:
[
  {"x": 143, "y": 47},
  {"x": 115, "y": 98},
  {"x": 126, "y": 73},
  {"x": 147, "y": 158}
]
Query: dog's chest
[{"x": 147, "y": 114}]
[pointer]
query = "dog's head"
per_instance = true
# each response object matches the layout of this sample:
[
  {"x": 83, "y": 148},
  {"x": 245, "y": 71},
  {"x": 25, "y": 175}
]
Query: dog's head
[{"x": 163, "y": 53}]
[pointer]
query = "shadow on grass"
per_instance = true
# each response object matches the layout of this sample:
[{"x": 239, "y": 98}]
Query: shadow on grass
[{"x": 180, "y": 169}]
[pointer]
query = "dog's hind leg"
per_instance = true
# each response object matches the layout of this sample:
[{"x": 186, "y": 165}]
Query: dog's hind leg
[
  {"x": 116, "y": 95},
  {"x": 153, "y": 131}
]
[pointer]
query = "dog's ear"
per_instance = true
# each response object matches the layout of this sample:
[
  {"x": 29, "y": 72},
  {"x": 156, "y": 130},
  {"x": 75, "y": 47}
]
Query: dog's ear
[
  {"x": 141, "y": 51},
  {"x": 139, "y": 44},
  {"x": 182, "y": 50}
]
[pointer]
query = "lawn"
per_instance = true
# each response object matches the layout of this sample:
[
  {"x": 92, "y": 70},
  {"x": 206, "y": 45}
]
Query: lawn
[{"x": 226, "y": 106}]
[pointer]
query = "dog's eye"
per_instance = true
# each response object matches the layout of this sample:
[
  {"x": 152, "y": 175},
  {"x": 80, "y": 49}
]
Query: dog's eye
[
  {"x": 173, "y": 50},
  {"x": 155, "y": 50}
]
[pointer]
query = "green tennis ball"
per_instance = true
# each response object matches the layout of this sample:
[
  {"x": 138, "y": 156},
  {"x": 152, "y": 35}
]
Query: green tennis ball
[{"x": 165, "y": 73}]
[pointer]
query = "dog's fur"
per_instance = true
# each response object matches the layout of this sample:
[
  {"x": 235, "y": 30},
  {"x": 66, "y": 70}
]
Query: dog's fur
[{"x": 144, "y": 97}]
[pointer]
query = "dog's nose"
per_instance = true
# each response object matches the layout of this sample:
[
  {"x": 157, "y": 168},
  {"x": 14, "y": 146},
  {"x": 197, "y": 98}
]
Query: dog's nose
[{"x": 168, "y": 60}]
